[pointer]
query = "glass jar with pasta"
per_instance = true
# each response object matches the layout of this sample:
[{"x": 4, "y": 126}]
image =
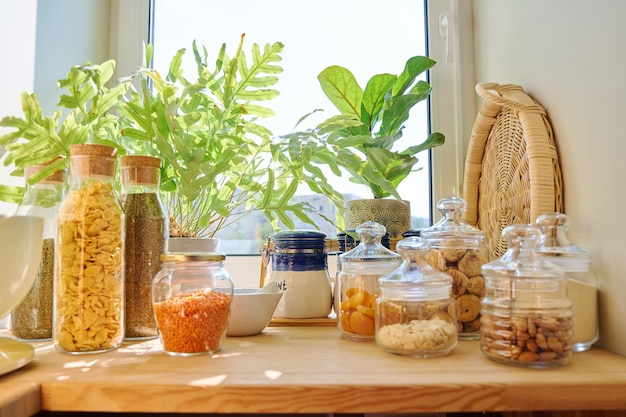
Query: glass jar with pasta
[{"x": 89, "y": 279}]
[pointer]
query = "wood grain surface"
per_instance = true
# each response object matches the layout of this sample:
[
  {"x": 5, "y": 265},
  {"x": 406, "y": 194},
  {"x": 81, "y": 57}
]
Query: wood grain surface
[{"x": 311, "y": 370}]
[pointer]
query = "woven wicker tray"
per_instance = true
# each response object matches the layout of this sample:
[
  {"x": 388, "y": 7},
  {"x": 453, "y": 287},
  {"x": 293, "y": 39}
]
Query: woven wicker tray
[{"x": 512, "y": 172}]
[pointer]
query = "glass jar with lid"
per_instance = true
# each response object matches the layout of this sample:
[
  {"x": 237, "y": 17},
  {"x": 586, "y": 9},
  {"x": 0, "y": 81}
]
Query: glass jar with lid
[
  {"x": 415, "y": 312},
  {"x": 146, "y": 239},
  {"x": 527, "y": 317},
  {"x": 459, "y": 250},
  {"x": 192, "y": 296},
  {"x": 32, "y": 318},
  {"x": 357, "y": 282},
  {"x": 299, "y": 261},
  {"x": 89, "y": 278},
  {"x": 582, "y": 287}
]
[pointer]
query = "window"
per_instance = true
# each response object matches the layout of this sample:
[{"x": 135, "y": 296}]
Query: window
[{"x": 378, "y": 39}]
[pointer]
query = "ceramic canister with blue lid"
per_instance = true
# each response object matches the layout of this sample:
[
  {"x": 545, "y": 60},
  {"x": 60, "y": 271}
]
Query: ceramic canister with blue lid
[{"x": 300, "y": 269}]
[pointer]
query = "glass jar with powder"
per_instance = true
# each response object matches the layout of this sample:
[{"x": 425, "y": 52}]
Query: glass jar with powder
[
  {"x": 582, "y": 289},
  {"x": 146, "y": 240},
  {"x": 89, "y": 267},
  {"x": 32, "y": 318}
]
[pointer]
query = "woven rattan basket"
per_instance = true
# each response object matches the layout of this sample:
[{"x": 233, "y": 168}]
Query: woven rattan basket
[{"x": 512, "y": 172}]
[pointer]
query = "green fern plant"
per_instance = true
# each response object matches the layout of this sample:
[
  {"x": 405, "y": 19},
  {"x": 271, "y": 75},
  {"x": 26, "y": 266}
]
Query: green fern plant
[
  {"x": 219, "y": 162},
  {"x": 38, "y": 139}
]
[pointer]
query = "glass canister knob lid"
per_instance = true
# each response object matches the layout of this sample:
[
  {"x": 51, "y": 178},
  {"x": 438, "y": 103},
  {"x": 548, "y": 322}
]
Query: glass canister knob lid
[
  {"x": 370, "y": 247},
  {"x": 451, "y": 222}
]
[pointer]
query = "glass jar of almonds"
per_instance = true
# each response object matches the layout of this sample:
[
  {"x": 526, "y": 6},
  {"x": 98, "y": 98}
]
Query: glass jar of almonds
[{"x": 527, "y": 316}]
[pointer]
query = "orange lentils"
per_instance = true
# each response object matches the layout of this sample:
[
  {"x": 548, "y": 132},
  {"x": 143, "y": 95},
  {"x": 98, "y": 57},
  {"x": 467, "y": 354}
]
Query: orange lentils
[{"x": 193, "y": 323}]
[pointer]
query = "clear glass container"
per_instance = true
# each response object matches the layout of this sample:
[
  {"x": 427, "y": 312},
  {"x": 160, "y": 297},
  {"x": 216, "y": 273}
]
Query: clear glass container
[
  {"x": 146, "y": 239},
  {"x": 357, "y": 282},
  {"x": 299, "y": 262},
  {"x": 582, "y": 288},
  {"x": 527, "y": 317},
  {"x": 32, "y": 318},
  {"x": 89, "y": 278},
  {"x": 415, "y": 312},
  {"x": 192, "y": 296},
  {"x": 459, "y": 250}
]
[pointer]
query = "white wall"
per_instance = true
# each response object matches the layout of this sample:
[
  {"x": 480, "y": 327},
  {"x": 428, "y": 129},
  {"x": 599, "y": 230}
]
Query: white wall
[{"x": 570, "y": 56}]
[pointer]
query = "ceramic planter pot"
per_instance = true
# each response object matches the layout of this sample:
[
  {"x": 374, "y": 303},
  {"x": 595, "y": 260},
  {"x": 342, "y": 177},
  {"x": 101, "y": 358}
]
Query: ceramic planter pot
[
  {"x": 192, "y": 244},
  {"x": 394, "y": 214}
]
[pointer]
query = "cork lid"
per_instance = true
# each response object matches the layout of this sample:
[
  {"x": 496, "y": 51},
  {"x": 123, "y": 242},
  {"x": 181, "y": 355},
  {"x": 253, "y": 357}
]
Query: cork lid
[
  {"x": 138, "y": 169},
  {"x": 92, "y": 160},
  {"x": 58, "y": 177}
]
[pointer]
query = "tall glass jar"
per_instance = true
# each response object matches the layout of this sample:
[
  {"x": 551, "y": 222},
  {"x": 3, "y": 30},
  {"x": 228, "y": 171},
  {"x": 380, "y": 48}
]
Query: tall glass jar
[
  {"x": 459, "y": 250},
  {"x": 300, "y": 269},
  {"x": 527, "y": 317},
  {"x": 357, "y": 282},
  {"x": 146, "y": 240},
  {"x": 582, "y": 287},
  {"x": 415, "y": 313},
  {"x": 32, "y": 318},
  {"x": 89, "y": 279},
  {"x": 192, "y": 295}
]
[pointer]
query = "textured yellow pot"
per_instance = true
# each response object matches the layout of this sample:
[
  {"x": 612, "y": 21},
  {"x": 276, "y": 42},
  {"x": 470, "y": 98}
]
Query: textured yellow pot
[{"x": 394, "y": 214}]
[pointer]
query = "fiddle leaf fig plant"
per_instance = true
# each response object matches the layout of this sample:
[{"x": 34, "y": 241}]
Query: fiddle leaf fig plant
[
  {"x": 219, "y": 162},
  {"x": 361, "y": 139},
  {"x": 38, "y": 139}
]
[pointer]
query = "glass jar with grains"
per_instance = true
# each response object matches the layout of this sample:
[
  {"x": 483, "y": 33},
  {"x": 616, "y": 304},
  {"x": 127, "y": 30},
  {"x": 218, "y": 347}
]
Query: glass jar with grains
[
  {"x": 146, "y": 240},
  {"x": 192, "y": 295},
  {"x": 459, "y": 250},
  {"x": 527, "y": 317},
  {"x": 32, "y": 318},
  {"x": 582, "y": 287},
  {"x": 358, "y": 289},
  {"x": 415, "y": 312},
  {"x": 89, "y": 279}
]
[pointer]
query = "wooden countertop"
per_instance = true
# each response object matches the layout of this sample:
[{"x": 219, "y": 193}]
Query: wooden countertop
[{"x": 305, "y": 370}]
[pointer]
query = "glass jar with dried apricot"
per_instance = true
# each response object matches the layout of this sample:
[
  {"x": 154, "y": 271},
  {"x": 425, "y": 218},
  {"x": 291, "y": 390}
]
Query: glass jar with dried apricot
[
  {"x": 191, "y": 299},
  {"x": 357, "y": 282}
]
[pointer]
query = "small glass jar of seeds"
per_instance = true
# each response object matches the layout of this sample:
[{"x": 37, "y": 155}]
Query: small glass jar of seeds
[
  {"x": 459, "y": 250},
  {"x": 32, "y": 318},
  {"x": 526, "y": 314},
  {"x": 415, "y": 312},
  {"x": 146, "y": 240},
  {"x": 192, "y": 295},
  {"x": 89, "y": 278}
]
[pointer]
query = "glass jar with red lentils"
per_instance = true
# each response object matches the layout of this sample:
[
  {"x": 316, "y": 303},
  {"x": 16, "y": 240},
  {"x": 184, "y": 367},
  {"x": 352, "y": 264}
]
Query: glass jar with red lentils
[{"x": 191, "y": 299}]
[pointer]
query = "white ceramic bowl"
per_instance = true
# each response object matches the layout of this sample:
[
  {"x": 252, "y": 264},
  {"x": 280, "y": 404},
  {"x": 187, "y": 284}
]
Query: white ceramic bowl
[
  {"x": 21, "y": 240},
  {"x": 252, "y": 310}
]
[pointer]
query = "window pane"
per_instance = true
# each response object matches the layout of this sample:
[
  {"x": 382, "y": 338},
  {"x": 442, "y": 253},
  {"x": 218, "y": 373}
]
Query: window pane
[{"x": 367, "y": 37}]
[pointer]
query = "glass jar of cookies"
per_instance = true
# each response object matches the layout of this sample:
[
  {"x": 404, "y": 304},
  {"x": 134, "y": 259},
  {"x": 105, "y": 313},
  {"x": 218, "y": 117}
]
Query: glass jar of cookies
[
  {"x": 459, "y": 250},
  {"x": 89, "y": 279},
  {"x": 415, "y": 312},
  {"x": 357, "y": 282},
  {"x": 582, "y": 287},
  {"x": 526, "y": 314},
  {"x": 191, "y": 296}
]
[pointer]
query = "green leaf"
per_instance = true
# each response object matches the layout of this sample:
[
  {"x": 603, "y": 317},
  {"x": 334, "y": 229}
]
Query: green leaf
[
  {"x": 413, "y": 68},
  {"x": 374, "y": 97},
  {"x": 11, "y": 194},
  {"x": 342, "y": 89}
]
